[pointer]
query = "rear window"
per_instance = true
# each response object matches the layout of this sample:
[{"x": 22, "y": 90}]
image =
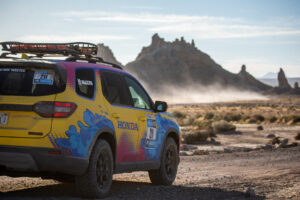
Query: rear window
[
  {"x": 85, "y": 82},
  {"x": 29, "y": 81}
]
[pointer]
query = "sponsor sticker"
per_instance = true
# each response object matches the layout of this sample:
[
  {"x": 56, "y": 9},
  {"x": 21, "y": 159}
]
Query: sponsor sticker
[
  {"x": 3, "y": 118},
  {"x": 45, "y": 78},
  {"x": 151, "y": 129},
  {"x": 84, "y": 82},
  {"x": 151, "y": 133},
  {"x": 12, "y": 70}
]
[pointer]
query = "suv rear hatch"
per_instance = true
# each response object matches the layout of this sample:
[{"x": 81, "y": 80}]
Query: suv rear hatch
[{"x": 27, "y": 92}]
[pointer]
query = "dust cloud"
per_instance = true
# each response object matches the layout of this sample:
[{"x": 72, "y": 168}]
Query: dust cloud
[{"x": 201, "y": 94}]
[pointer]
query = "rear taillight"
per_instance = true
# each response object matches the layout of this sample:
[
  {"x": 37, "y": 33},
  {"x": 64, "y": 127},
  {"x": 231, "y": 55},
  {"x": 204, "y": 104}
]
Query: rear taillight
[{"x": 54, "y": 109}]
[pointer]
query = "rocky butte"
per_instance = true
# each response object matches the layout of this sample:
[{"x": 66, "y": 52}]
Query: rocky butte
[{"x": 181, "y": 64}]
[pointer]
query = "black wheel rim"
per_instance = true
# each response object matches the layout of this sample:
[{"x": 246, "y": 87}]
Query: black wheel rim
[
  {"x": 103, "y": 170},
  {"x": 170, "y": 162}
]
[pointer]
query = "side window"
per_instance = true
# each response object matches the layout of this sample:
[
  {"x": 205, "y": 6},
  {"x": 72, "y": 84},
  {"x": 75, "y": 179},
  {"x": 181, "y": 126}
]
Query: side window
[
  {"x": 138, "y": 94},
  {"x": 85, "y": 82},
  {"x": 114, "y": 88}
]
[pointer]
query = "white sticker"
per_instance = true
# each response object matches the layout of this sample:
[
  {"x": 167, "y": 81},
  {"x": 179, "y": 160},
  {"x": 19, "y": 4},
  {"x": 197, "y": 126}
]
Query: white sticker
[
  {"x": 84, "y": 82},
  {"x": 3, "y": 118},
  {"x": 43, "y": 78},
  {"x": 151, "y": 133}
]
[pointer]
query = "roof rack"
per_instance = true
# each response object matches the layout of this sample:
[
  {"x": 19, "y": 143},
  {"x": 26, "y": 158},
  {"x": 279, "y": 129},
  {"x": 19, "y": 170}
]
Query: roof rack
[
  {"x": 40, "y": 49},
  {"x": 77, "y": 50}
]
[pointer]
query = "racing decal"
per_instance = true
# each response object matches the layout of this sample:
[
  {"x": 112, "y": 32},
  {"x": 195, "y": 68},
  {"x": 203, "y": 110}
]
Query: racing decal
[
  {"x": 43, "y": 78},
  {"x": 78, "y": 141},
  {"x": 127, "y": 125}
]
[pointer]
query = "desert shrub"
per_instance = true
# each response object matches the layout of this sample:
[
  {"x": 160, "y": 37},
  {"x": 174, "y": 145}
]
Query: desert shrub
[
  {"x": 195, "y": 137},
  {"x": 296, "y": 118},
  {"x": 199, "y": 115},
  {"x": 179, "y": 114},
  {"x": 259, "y": 117},
  {"x": 273, "y": 119},
  {"x": 245, "y": 117},
  {"x": 292, "y": 108},
  {"x": 232, "y": 117},
  {"x": 222, "y": 126},
  {"x": 217, "y": 117},
  {"x": 252, "y": 120},
  {"x": 209, "y": 115},
  {"x": 203, "y": 124},
  {"x": 274, "y": 106},
  {"x": 285, "y": 119},
  {"x": 187, "y": 121}
]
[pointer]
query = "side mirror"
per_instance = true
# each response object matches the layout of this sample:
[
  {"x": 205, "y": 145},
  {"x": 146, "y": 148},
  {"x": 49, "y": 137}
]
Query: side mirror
[{"x": 160, "y": 106}]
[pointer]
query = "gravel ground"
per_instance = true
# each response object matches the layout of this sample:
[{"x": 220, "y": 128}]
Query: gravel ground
[{"x": 272, "y": 174}]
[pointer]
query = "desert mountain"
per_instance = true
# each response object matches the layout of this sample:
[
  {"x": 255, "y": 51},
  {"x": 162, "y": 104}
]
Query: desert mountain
[
  {"x": 181, "y": 64},
  {"x": 107, "y": 55}
]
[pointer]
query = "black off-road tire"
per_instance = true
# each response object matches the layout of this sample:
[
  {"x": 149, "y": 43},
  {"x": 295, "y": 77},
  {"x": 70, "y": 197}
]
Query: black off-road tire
[
  {"x": 97, "y": 180},
  {"x": 166, "y": 174}
]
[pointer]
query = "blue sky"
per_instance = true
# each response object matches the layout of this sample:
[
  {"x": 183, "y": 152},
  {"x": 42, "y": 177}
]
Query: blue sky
[{"x": 263, "y": 34}]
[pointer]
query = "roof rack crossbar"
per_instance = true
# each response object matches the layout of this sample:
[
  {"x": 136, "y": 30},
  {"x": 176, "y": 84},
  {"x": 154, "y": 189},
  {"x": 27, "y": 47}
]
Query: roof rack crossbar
[{"x": 93, "y": 60}]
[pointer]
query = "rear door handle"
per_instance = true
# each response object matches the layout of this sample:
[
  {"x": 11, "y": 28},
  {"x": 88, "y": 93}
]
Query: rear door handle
[{"x": 115, "y": 115}]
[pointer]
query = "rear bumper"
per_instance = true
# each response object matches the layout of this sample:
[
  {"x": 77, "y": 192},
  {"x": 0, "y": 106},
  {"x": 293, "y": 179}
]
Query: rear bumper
[{"x": 25, "y": 159}]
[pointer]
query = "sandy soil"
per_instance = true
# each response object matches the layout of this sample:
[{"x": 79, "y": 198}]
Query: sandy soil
[{"x": 266, "y": 174}]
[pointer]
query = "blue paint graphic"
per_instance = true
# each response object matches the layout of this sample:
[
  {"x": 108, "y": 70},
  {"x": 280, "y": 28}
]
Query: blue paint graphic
[
  {"x": 78, "y": 143},
  {"x": 153, "y": 147}
]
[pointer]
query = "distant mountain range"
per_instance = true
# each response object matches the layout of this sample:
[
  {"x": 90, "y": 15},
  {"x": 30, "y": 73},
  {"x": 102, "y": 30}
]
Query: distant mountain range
[{"x": 269, "y": 75}]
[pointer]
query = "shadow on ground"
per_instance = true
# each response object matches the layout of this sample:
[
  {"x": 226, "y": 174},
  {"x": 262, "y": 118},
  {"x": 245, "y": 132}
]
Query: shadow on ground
[
  {"x": 231, "y": 133},
  {"x": 128, "y": 190}
]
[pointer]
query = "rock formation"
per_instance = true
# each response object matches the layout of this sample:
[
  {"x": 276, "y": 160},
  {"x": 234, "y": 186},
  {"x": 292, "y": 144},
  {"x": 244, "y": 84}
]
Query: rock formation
[
  {"x": 284, "y": 87},
  {"x": 282, "y": 81},
  {"x": 296, "y": 89},
  {"x": 251, "y": 80},
  {"x": 296, "y": 85},
  {"x": 107, "y": 55},
  {"x": 181, "y": 64},
  {"x": 193, "y": 43}
]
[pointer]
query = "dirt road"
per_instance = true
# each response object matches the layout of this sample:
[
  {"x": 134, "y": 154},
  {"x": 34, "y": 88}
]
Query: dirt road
[{"x": 273, "y": 174}]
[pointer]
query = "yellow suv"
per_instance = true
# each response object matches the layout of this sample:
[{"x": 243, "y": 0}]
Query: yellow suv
[{"x": 66, "y": 113}]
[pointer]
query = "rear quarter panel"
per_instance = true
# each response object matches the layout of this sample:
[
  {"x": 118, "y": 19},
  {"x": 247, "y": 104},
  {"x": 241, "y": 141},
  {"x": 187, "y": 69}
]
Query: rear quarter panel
[{"x": 75, "y": 134}]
